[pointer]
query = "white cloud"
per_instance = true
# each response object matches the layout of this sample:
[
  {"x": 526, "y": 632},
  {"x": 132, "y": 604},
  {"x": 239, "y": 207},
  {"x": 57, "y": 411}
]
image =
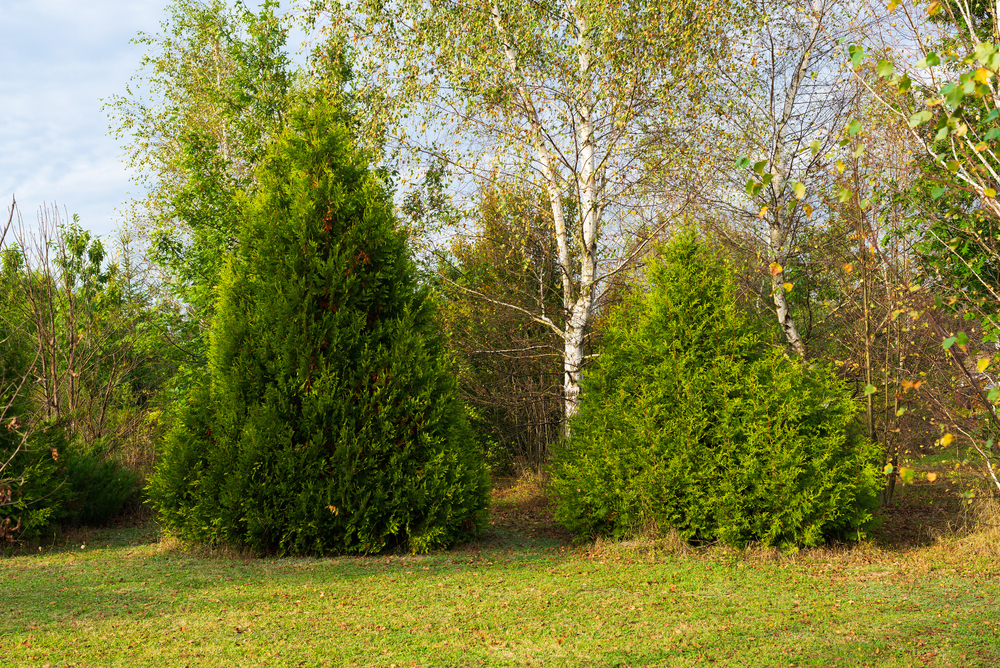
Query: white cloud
[{"x": 60, "y": 58}]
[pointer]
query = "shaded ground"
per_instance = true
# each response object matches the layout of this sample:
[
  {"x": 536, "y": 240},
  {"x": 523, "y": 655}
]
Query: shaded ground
[
  {"x": 920, "y": 514},
  {"x": 521, "y": 513}
]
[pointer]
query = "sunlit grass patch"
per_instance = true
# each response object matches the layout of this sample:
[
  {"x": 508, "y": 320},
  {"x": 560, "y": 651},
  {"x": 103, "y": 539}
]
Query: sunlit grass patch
[{"x": 514, "y": 599}]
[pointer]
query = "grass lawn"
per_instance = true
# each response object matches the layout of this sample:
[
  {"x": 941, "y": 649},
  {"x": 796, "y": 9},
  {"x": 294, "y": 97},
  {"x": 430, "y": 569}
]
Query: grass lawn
[{"x": 523, "y": 596}]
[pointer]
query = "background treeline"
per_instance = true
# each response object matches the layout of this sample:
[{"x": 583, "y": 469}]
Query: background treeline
[
  {"x": 86, "y": 373},
  {"x": 539, "y": 161}
]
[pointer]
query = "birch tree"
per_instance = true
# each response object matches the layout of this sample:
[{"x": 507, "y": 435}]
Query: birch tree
[
  {"x": 790, "y": 109},
  {"x": 948, "y": 99},
  {"x": 557, "y": 93}
]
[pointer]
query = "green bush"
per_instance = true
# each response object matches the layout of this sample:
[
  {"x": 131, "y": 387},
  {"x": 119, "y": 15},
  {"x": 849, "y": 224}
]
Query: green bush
[
  {"x": 32, "y": 483},
  {"x": 691, "y": 421},
  {"x": 99, "y": 489},
  {"x": 28, "y": 470},
  {"x": 329, "y": 422},
  {"x": 52, "y": 482},
  {"x": 46, "y": 475}
]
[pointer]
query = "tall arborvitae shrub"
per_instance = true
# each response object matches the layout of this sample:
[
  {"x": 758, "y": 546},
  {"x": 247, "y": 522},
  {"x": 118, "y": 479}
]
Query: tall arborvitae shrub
[
  {"x": 691, "y": 421},
  {"x": 329, "y": 422}
]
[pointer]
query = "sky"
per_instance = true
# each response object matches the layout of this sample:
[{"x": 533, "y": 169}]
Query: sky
[{"x": 58, "y": 60}]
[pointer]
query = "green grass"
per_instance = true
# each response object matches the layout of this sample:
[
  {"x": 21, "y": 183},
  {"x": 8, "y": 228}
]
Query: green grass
[{"x": 520, "y": 597}]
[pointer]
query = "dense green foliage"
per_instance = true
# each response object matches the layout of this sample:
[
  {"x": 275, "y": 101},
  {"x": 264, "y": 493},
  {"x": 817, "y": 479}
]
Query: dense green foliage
[
  {"x": 209, "y": 97},
  {"x": 330, "y": 422},
  {"x": 691, "y": 421},
  {"x": 72, "y": 372}
]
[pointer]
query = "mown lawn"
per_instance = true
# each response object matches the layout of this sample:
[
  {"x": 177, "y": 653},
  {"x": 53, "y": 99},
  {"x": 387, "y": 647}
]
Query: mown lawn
[{"x": 521, "y": 597}]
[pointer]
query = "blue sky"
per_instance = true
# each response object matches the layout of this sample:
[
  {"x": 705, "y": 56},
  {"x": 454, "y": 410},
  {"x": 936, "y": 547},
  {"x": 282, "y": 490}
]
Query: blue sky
[{"x": 59, "y": 59}]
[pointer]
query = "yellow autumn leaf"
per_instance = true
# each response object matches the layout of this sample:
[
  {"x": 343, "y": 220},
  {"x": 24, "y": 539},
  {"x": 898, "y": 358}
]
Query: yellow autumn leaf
[
  {"x": 989, "y": 192},
  {"x": 848, "y": 267},
  {"x": 808, "y": 209},
  {"x": 982, "y": 364},
  {"x": 787, "y": 286},
  {"x": 947, "y": 439},
  {"x": 983, "y": 75},
  {"x": 776, "y": 268},
  {"x": 841, "y": 166},
  {"x": 800, "y": 190},
  {"x": 763, "y": 211},
  {"x": 931, "y": 477}
]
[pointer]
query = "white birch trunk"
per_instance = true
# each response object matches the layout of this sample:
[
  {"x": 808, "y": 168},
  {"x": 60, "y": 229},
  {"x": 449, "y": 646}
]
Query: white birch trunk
[
  {"x": 578, "y": 302},
  {"x": 778, "y": 220},
  {"x": 581, "y": 308}
]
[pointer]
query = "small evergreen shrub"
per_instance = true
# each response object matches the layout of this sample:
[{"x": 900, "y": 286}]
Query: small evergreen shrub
[
  {"x": 329, "y": 422},
  {"x": 690, "y": 420},
  {"x": 99, "y": 489},
  {"x": 57, "y": 482}
]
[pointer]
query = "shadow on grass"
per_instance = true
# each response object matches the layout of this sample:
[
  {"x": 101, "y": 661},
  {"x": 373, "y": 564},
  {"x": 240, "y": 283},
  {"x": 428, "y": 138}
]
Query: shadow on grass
[{"x": 130, "y": 571}]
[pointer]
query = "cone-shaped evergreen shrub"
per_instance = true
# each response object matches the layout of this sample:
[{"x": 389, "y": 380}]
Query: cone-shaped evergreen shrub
[
  {"x": 330, "y": 423},
  {"x": 690, "y": 420}
]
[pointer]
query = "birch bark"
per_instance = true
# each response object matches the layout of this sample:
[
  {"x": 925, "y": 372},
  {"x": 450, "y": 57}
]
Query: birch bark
[
  {"x": 555, "y": 94},
  {"x": 778, "y": 220}
]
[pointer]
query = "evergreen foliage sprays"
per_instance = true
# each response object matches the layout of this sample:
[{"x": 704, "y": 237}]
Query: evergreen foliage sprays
[
  {"x": 691, "y": 421},
  {"x": 330, "y": 422}
]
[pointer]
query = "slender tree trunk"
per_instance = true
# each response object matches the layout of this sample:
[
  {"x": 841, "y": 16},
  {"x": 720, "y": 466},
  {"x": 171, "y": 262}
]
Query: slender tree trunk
[
  {"x": 578, "y": 298},
  {"x": 779, "y": 219},
  {"x": 784, "y": 313},
  {"x": 581, "y": 308}
]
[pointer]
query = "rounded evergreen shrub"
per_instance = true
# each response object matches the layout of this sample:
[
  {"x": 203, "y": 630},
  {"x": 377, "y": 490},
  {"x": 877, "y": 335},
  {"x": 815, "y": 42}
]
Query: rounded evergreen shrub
[
  {"x": 329, "y": 422},
  {"x": 98, "y": 489},
  {"x": 691, "y": 421}
]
